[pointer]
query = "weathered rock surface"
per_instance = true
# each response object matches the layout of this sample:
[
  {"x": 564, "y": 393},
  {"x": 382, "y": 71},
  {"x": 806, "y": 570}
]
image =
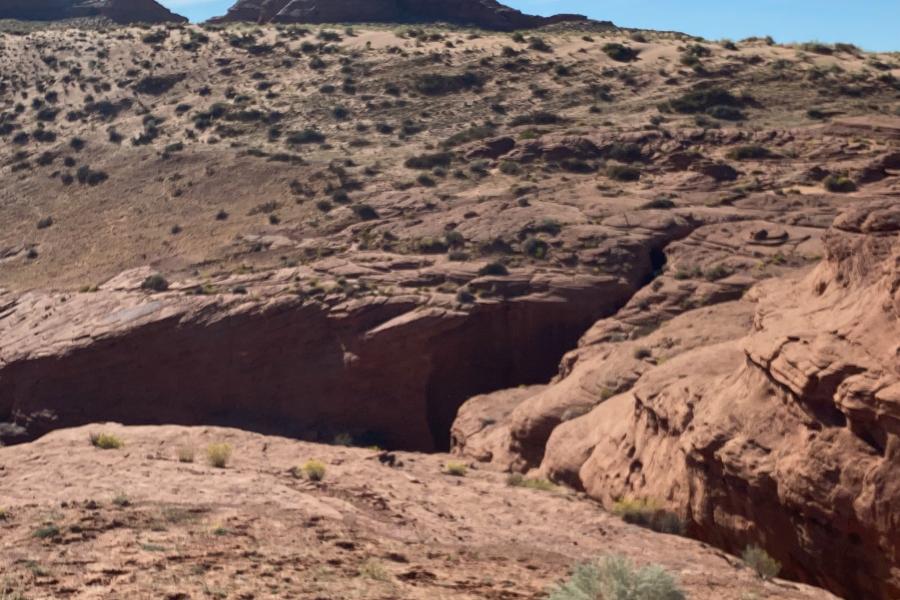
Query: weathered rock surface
[
  {"x": 782, "y": 433},
  {"x": 144, "y": 524},
  {"x": 487, "y": 14},
  {"x": 120, "y": 11},
  {"x": 274, "y": 358}
]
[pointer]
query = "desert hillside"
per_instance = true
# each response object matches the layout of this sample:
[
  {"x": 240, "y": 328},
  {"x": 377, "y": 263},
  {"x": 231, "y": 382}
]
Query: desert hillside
[{"x": 638, "y": 274}]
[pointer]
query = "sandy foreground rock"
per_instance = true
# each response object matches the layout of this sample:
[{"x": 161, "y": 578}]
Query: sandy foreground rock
[{"x": 137, "y": 523}]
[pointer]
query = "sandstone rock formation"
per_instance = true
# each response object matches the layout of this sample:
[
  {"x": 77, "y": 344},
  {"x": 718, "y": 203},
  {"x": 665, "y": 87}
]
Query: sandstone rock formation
[
  {"x": 488, "y": 14},
  {"x": 783, "y": 433},
  {"x": 120, "y": 11}
]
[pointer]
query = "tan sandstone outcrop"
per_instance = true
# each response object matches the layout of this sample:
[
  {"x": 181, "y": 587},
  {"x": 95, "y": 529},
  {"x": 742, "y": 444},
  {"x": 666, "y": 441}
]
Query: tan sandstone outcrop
[{"x": 782, "y": 433}]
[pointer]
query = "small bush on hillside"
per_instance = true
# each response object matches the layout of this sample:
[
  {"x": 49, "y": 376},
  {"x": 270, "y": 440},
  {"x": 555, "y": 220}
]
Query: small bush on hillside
[
  {"x": 185, "y": 454},
  {"x": 155, "y": 283},
  {"x": 46, "y": 531},
  {"x": 759, "y": 560},
  {"x": 493, "y": 268},
  {"x": 698, "y": 101},
  {"x": 429, "y": 161},
  {"x": 839, "y": 184},
  {"x": 519, "y": 480},
  {"x": 617, "y": 578},
  {"x": 457, "y": 469},
  {"x": 817, "y": 48},
  {"x": 314, "y": 470},
  {"x": 435, "y": 84},
  {"x": 623, "y": 173},
  {"x": 750, "y": 153},
  {"x": 726, "y": 113},
  {"x": 218, "y": 455},
  {"x": 106, "y": 441},
  {"x": 536, "y": 118},
  {"x": 620, "y": 52},
  {"x": 307, "y": 136},
  {"x": 539, "y": 44}
]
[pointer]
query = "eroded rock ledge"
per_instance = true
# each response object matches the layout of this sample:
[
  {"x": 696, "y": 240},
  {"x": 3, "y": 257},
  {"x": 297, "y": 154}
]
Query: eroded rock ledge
[{"x": 771, "y": 420}]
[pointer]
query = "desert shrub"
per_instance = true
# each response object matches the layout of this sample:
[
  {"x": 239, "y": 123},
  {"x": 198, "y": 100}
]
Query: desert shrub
[
  {"x": 47, "y": 531},
  {"x": 698, "y": 101},
  {"x": 157, "y": 85},
  {"x": 430, "y": 245},
  {"x": 88, "y": 176},
  {"x": 577, "y": 165},
  {"x": 306, "y": 136},
  {"x": 750, "y": 153},
  {"x": 623, "y": 173},
  {"x": 469, "y": 135},
  {"x": 457, "y": 469},
  {"x": 436, "y": 84},
  {"x": 429, "y": 161},
  {"x": 716, "y": 273},
  {"x": 493, "y": 268},
  {"x": 658, "y": 204},
  {"x": 218, "y": 455},
  {"x": 536, "y": 248},
  {"x": 625, "y": 153},
  {"x": 839, "y": 184},
  {"x": 106, "y": 441},
  {"x": 817, "y": 48},
  {"x": 509, "y": 167},
  {"x": 539, "y": 44},
  {"x": 617, "y": 578},
  {"x": 45, "y": 223},
  {"x": 759, "y": 560},
  {"x": 519, "y": 480},
  {"x": 364, "y": 212},
  {"x": 155, "y": 283},
  {"x": 157, "y": 36},
  {"x": 536, "y": 118},
  {"x": 185, "y": 454},
  {"x": 620, "y": 52},
  {"x": 726, "y": 113},
  {"x": 314, "y": 470},
  {"x": 47, "y": 114},
  {"x": 646, "y": 513}
]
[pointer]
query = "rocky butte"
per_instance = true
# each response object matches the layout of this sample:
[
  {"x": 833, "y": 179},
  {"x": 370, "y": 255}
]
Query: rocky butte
[
  {"x": 414, "y": 311},
  {"x": 119, "y": 11},
  {"x": 486, "y": 14}
]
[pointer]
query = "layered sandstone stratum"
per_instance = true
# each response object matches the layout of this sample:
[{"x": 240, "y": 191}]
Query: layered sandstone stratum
[{"x": 639, "y": 268}]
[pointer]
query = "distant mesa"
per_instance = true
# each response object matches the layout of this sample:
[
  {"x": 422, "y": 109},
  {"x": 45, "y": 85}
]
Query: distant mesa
[
  {"x": 119, "y": 11},
  {"x": 487, "y": 14}
]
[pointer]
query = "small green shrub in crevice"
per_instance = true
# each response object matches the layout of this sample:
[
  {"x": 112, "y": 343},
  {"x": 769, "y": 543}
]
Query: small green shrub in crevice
[
  {"x": 648, "y": 514},
  {"x": 519, "y": 480},
  {"x": 759, "y": 560}
]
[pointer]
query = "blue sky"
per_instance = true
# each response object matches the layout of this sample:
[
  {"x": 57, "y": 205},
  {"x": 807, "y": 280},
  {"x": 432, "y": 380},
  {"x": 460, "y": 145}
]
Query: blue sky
[{"x": 871, "y": 24}]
